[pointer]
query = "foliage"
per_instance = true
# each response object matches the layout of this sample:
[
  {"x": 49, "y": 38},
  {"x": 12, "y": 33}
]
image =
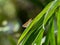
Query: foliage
[
  {"x": 35, "y": 32},
  {"x": 44, "y": 28}
]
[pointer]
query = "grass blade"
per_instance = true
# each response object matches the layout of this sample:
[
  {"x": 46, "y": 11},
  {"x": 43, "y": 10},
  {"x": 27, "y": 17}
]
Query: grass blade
[
  {"x": 52, "y": 35},
  {"x": 33, "y": 32},
  {"x": 48, "y": 33},
  {"x": 33, "y": 22},
  {"x": 50, "y": 11},
  {"x": 38, "y": 39},
  {"x": 58, "y": 24}
]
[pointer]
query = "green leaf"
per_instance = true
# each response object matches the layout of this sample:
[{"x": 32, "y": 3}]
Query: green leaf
[
  {"x": 38, "y": 39},
  {"x": 50, "y": 11},
  {"x": 32, "y": 37},
  {"x": 48, "y": 32},
  {"x": 28, "y": 39},
  {"x": 52, "y": 35},
  {"x": 34, "y": 22},
  {"x": 58, "y": 24}
]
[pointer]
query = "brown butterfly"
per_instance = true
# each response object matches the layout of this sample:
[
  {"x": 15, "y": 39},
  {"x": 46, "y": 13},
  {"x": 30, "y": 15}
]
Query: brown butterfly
[{"x": 27, "y": 23}]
